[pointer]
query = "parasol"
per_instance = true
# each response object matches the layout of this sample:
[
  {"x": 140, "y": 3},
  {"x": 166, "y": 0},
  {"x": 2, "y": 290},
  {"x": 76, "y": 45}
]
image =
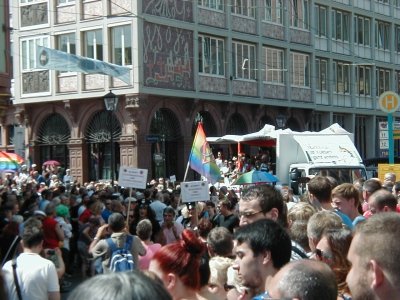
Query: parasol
[
  {"x": 255, "y": 176},
  {"x": 51, "y": 163}
]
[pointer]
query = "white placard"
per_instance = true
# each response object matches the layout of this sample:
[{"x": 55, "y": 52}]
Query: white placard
[
  {"x": 172, "y": 178},
  {"x": 192, "y": 191},
  {"x": 132, "y": 177},
  {"x": 384, "y": 144},
  {"x": 383, "y": 134}
]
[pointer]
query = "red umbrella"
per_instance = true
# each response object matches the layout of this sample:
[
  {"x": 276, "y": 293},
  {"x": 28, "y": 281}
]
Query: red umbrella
[{"x": 51, "y": 163}]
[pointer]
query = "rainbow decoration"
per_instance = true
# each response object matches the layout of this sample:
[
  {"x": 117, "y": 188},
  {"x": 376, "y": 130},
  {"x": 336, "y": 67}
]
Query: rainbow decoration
[
  {"x": 201, "y": 158},
  {"x": 10, "y": 161}
]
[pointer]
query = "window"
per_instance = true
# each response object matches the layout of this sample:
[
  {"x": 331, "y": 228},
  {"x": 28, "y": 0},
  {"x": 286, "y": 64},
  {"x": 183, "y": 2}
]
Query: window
[
  {"x": 244, "y": 60},
  {"x": 274, "y": 65},
  {"x": 93, "y": 44},
  {"x": 300, "y": 69},
  {"x": 29, "y": 51},
  {"x": 383, "y": 1},
  {"x": 321, "y": 19},
  {"x": 31, "y": 1},
  {"x": 121, "y": 47},
  {"x": 341, "y": 72},
  {"x": 382, "y": 77},
  {"x": 321, "y": 74},
  {"x": 397, "y": 41},
  {"x": 65, "y": 2},
  {"x": 299, "y": 16},
  {"x": 213, "y": 4},
  {"x": 362, "y": 30},
  {"x": 244, "y": 7},
  {"x": 67, "y": 43},
  {"x": 340, "y": 25},
  {"x": 211, "y": 55},
  {"x": 382, "y": 35},
  {"x": 363, "y": 77},
  {"x": 273, "y": 11}
]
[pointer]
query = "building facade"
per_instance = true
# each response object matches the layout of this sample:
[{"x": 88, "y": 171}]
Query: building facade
[{"x": 239, "y": 64}]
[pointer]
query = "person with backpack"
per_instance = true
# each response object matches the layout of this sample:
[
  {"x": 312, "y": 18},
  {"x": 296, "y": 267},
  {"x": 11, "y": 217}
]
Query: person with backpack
[{"x": 119, "y": 250}]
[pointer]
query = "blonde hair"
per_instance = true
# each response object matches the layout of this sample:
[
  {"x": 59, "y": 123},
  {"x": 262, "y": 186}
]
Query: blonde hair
[
  {"x": 301, "y": 211},
  {"x": 219, "y": 269}
]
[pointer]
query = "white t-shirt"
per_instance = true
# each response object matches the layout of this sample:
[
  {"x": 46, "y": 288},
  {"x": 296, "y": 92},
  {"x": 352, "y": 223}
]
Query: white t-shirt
[{"x": 37, "y": 277}]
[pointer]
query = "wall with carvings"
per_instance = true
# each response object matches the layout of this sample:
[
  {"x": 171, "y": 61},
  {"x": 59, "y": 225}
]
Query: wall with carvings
[
  {"x": 171, "y": 9},
  {"x": 167, "y": 57}
]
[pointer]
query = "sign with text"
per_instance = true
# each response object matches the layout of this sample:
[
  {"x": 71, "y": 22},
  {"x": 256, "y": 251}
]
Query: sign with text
[
  {"x": 192, "y": 191},
  {"x": 132, "y": 177},
  {"x": 388, "y": 168},
  {"x": 389, "y": 102}
]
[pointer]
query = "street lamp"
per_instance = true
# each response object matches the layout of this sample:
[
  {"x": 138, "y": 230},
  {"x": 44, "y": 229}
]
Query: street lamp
[{"x": 111, "y": 101}]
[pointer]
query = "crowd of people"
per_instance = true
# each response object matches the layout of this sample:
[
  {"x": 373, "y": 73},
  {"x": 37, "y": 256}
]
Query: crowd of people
[{"x": 333, "y": 242}]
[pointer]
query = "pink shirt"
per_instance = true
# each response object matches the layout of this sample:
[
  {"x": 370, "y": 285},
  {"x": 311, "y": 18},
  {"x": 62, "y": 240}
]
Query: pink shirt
[
  {"x": 169, "y": 234},
  {"x": 144, "y": 261}
]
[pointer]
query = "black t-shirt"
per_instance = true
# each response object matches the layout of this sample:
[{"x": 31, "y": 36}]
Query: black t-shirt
[{"x": 230, "y": 222}]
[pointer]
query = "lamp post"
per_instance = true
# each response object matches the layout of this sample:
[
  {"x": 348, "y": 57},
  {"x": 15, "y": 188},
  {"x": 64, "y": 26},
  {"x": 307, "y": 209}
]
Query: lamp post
[{"x": 111, "y": 101}]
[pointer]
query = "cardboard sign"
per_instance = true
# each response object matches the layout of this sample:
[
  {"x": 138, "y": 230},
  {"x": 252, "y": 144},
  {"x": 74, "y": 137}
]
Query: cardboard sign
[
  {"x": 192, "y": 191},
  {"x": 388, "y": 168},
  {"x": 132, "y": 177}
]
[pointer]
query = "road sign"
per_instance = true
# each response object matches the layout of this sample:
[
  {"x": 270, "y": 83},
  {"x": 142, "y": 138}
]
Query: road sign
[{"x": 389, "y": 102}]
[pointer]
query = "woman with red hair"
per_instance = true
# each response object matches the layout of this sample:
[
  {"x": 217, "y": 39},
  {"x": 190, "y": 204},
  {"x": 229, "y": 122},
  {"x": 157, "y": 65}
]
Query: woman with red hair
[{"x": 178, "y": 265}]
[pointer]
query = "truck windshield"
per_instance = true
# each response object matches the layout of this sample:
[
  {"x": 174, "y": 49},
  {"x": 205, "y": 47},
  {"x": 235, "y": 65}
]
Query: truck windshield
[{"x": 342, "y": 175}]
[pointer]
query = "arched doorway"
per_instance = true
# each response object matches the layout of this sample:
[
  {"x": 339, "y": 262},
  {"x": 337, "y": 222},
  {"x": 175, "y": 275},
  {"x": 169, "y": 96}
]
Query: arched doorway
[
  {"x": 99, "y": 148},
  {"x": 53, "y": 137},
  {"x": 236, "y": 125},
  {"x": 166, "y": 151},
  {"x": 265, "y": 120}
]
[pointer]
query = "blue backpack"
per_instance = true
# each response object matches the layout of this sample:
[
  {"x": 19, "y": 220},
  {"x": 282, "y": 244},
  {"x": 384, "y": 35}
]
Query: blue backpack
[{"x": 121, "y": 259}]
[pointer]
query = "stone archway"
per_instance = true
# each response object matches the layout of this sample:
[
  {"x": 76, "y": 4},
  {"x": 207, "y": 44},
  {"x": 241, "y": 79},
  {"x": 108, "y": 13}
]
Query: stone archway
[
  {"x": 52, "y": 140},
  {"x": 98, "y": 137},
  {"x": 165, "y": 150}
]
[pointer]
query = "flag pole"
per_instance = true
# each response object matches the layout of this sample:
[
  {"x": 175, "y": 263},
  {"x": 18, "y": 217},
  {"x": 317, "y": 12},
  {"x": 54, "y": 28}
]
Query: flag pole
[{"x": 198, "y": 120}]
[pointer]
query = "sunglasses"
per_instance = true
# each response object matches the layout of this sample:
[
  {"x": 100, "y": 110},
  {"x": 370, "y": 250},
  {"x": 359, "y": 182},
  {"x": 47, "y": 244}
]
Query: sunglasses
[{"x": 320, "y": 254}]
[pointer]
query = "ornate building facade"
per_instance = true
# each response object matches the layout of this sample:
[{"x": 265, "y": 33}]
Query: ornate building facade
[{"x": 298, "y": 64}]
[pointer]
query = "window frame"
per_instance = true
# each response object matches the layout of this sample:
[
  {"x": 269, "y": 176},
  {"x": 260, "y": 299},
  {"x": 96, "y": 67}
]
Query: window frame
[
  {"x": 244, "y": 60},
  {"x": 211, "y": 4},
  {"x": 29, "y": 54},
  {"x": 321, "y": 23},
  {"x": 297, "y": 79},
  {"x": 321, "y": 83},
  {"x": 219, "y": 55},
  {"x": 125, "y": 38},
  {"x": 96, "y": 46},
  {"x": 274, "y": 70},
  {"x": 341, "y": 72},
  {"x": 340, "y": 18},
  {"x": 273, "y": 11},
  {"x": 382, "y": 35},
  {"x": 244, "y": 8},
  {"x": 303, "y": 10},
  {"x": 366, "y": 90}
]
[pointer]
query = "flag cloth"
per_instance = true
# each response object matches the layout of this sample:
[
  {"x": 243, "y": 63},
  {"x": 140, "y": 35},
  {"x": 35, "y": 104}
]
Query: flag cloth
[
  {"x": 201, "y": 158},
  {"x": 51, "y": 59}
]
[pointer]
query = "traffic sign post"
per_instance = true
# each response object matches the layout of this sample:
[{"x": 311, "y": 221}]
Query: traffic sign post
[{"x": 389, "y": 103}]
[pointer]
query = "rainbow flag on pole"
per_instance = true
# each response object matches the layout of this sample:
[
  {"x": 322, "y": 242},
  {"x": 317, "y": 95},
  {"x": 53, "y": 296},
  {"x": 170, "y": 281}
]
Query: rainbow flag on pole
[{"x": 201, "y": 158}]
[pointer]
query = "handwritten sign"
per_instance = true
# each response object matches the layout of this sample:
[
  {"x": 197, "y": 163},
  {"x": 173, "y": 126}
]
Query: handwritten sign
[
  {"x": 132, "y": 177},
  {"x": 192, "y": 191}
]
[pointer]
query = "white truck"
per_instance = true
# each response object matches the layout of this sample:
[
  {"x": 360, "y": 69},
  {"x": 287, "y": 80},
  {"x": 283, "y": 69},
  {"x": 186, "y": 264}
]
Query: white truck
[{"x": 302, "y": 155}]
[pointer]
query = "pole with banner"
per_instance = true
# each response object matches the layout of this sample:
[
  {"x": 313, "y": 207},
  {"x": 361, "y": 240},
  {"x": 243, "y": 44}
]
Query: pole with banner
[{"x": 389, "y": 103}]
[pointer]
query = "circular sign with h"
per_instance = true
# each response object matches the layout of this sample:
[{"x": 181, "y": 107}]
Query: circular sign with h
[{"x": 389, "y": 102}]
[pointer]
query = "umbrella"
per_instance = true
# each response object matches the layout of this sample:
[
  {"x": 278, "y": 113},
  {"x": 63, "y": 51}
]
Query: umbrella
[
  {"x": 51, "y": 163},
  {"x": 255, "y": 176},
  {"x": 10, "y": 161}
]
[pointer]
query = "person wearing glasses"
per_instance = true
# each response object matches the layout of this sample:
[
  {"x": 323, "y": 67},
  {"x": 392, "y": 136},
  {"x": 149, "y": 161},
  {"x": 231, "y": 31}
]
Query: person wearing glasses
[
  {"x": 332, "y": 249},
  {"x": 262, "y": 202}
]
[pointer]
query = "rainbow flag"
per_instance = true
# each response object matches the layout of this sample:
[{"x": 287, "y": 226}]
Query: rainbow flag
[{"x": 201, "y": 158}]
